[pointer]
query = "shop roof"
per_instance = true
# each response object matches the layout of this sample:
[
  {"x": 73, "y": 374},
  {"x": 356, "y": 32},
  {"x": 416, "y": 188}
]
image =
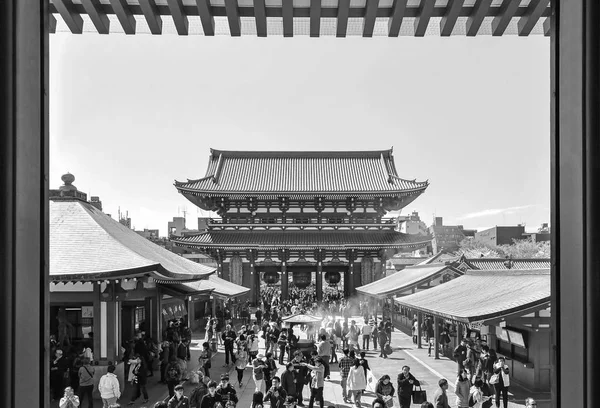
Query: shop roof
[
  {"x": 87, "y": 245},
  {"x": 213, "y": 285},
  {"x": 302, "y": 239},
  {"x": 405, "y": 279},
  {"x": 483, "y": 295}
]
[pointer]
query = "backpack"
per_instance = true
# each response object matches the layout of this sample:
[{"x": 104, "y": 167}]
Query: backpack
[
  {"x": 199, "y": 392},
  {"x": 471, "y": 400}
]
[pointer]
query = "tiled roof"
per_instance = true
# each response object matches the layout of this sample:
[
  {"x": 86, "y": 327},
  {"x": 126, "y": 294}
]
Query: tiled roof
[
  {"x": 440, "y": 257},
  {"x": 483, "y": 295},
  {"x": 87, "y": 244},
  {"x": 244, "y": 172},
  {"x": 214, "y": 285},
  {"x": 302, "y": 239},
  {"x": 405, "y": 279},
  {"x": 491, "y": 264}
]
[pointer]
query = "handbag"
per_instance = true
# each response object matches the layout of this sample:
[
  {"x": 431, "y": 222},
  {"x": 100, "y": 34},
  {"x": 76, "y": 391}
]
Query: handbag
[
  {"x": 495, "y": 379},
  {"x": 388, "y": 349},
  {"x": 419, "y": 396}
]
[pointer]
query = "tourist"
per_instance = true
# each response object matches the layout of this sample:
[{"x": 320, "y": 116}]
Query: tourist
[
  {"x": 270, "y": 371},
  {"x": 258, "y": 315},
  {"x": 324, "y": 351},
  {"x": 226, "y": 390},
  {"x": 383, "y": 340},
  {"x": 317, "y": 382},
  {"x": 164, "y": 356},
  {"x": 415, "y": 331},
  {"x": 212, "y": 398},
  {"x": 460, "y": 354},
  {"x": 210, "y": 331},
  {"x": 109, "y": 387},
  {"x": 257, "y": 400},
  {"x": 179, "y": 400},
  {"x": 353, "y": 333},
  {"x": 200, "y": 390},
  {"x": 292, "y": 345},
  {"x": 366, "y": 335},
  {"x": 406, "y": 382},
  {"x": 204, "y": 359},
  {"x": 288, "y": 380},
  {"x": 385, "y": 390},
  {"x": 501, "y": 387},
  {"x": 140, "y": 379},
  {"x": 476, "y": 395},
  {"x": 86, "y": 382},
  {"x": 440, "y": 398},
  {"x": 59, "y": 371},
  {"x": 182, "y": 358},
  {"x": 362, "y": 361},
  {"x": 228, "y": 337},
  {"x": 69, "y": 400},
  {"x": 173, "y": 375},
  {"x": 530, "y": 403},
  {"x": 461, "y": 389},
  {"x": 357, "y": 382},
  {"x": 302, "y": 376},
  {"x": 258, "y": 367},
  {"x": 218, "y": 327},
  {"x": 282, "y": 342},
  {"x": 470, "y": 362},
  {"x": 273, "y": 334},
  {"x": 241, "y": 360},
  {"x": 276, "y": 394},
  {"x": 345, "y": 364}
]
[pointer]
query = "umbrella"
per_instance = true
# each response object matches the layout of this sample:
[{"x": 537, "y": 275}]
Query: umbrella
[{"x": 302, "y": 318}]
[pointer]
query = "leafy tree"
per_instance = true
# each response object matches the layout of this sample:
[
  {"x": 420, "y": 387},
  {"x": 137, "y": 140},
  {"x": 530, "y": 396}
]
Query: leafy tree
[{"x": 521, "y": 248}]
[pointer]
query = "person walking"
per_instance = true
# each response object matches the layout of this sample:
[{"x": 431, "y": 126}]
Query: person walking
[
  {"x": 345, "y": 364},
  {"x": 385, "y": 390},
  {"x": 289, "y": 380},
  {"x": 460, "y": 355},
  {"x": 383, "y": 340},
  {"x": 173, "y": 375},
  {"x": 317, "y": 382},
  {"x": 353, "y": 333},
  {"x": 200, "y": 390},
  {"x": 324, "y": 351},
  {"x": 241, "y": 361},
  {"x": 461, "y": 389},
  {"x": 406, "y": 382},
  {"x": 270, "y": 371},
  {"x": 228, "y": 337},
  {"x": 179, "y": 400},
  {"x": 302, "y": 376},
  {"x": 140, "y": 379},
  {"x": 357, "y": 382},
  {"x": 362, "y": 361},
  {"x": 226, "y": 390},
  {"x": 366, "y": 335},
  {"x": 282, "y": 342},
  {"x": 501, "y": 387},
  {"x": 276, "y": 395},
  {"x": 204, "y": 359},
  {"x": 86, "y": 382},
  {"x": 211, "y": 399},
  {"x": 440, "y": 398},
  {"x": 258, "y": 367},
  {"x": 109, "y": 388}
]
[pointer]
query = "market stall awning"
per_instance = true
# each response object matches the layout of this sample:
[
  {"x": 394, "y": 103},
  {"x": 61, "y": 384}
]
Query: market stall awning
[
  {"x": 406, "y": 279},
  {"x": 88, "y": 245},
  {"x": 478, "y": 296},
  {"x": 214, "y": 285},
  {"x": 302, "y": 318}
]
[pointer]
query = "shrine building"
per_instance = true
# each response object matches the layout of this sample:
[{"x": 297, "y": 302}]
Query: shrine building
[{"x": 302, "y": 218}]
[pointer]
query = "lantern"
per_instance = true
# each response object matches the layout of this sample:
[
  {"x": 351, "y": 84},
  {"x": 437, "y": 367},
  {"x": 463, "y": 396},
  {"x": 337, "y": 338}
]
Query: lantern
[
  {"x": 271, "y": 277},
  {"x": 302, "y": 279},
  {"x": 333, "y": 278}
]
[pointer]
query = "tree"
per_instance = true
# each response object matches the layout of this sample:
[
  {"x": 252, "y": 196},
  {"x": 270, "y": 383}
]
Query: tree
[
  {"x": 474, "y": 249},
  {"x": 520, "y": 248}
]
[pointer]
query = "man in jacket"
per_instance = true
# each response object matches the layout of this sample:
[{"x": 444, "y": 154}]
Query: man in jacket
[
  {"x": 179, "y": 400},
  {"x": 210, "y": 399},
  {"x": 324, "y": 351},
  {"x": 301, "y": 375},
  {"x": 406, "y": 382},
  {"x": 288, "y": 380},
  {"x": 460, "y": 354},
  {"x": 226, "y": 390},
  {"x": 109, "y": 387},
  {"x": 228, "y": 337},
  {"x": 86, "y": 381},
  {"x": 317, "y": 382},
  {"x": 440, "y": 398},
  {"x": 276, "y": 394},
  {"x": 345, "y": 363}
]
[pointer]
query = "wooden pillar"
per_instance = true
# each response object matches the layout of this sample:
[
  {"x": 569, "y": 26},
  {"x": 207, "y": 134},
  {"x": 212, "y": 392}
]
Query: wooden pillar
[
  {"x": 112, "y": 331},
  {"x": 350, "y": 278},
  {"x": 158, "y": 314},
  {"x": 96, "y": 321},
  {"x": 436, "y": 335},
  {"x": 460, "y": 334},
  {"x": 319, "y": 281},
  {"x": 190, "y": 306},
  {"x": 420, "y": 334},
  {"x": 149, "y": 318},
  {"x": 214, "y": 307},
  {"x": 284, "y": 281}
]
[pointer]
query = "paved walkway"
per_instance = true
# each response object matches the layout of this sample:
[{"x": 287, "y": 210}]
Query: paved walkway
[{"x": 427, "y": 369}]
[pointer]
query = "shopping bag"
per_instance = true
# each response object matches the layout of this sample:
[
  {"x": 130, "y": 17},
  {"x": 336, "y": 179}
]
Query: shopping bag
[
  {"x": 389, "y": 401},
  {"x": 419, "y": 396},
  {"x": 494, "y": 379},
  {"x": 371, "y": 381}
]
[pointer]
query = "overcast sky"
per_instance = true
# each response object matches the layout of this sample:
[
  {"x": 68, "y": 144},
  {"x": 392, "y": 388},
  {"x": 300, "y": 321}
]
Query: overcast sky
[{"x": 131, "y": 114}]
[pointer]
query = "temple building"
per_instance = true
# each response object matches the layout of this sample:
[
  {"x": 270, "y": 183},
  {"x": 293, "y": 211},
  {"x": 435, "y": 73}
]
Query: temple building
[{"x": 302, "y": 218}]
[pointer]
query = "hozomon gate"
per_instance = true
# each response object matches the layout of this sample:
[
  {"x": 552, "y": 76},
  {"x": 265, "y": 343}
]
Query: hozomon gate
[{"x": 299, "y": 216}]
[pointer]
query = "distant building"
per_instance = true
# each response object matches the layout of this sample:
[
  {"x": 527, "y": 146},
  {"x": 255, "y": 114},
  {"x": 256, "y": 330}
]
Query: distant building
[
  {"x": 445, "y": 237},
  {"x": 151, "y": 234},
  {"x": 542, "y": 234},
  {"x": 501, "y": 235},
  {"x": 176, "y": 227},
  {"x": 412, "y": 224},
  {"x": 95, "y": 202}
]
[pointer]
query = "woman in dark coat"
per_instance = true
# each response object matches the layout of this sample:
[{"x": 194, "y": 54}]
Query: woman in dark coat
[
  {"x": 406, "y": 382},
  {"x": 140, "y": 378}
]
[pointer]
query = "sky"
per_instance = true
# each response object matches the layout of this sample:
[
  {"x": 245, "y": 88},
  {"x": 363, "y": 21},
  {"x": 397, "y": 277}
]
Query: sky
[{"x": 131, "y": 114}]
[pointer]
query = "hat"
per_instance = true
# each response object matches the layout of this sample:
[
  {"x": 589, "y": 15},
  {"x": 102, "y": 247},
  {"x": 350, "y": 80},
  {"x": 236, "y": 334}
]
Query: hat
[
  {"x": 260, "y": 356},
  {"x": 225, "y": 377}
]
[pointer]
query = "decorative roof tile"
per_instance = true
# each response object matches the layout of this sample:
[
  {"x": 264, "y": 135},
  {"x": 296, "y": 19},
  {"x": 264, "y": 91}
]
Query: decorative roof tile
[
  {"x": 86, "y": 244},
  {"x": 247, "y": 173},
  {"x": 302, "y": 239},
  {"x": 484, "y": 295},
  {"x": 491, "y": 264},
  {"x": 405, "y": 279}
]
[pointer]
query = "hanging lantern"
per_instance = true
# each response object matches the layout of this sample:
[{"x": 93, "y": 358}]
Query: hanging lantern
[
  {"x": 333, "y": 278},
  {"x": 271, "y": 277},
  {"x": 302, "y": 279}
]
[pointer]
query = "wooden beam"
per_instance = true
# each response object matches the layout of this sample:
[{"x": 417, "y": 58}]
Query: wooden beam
[
  {"x": 206, "y": 16},
  {"x": 343, "y": 11},
  {"x": 153, "y": 19},
  {"x": 547, "y": 26},
  {"x": 505, "y": 14},
  {"x": 121, "y": 9},
  {"x": 179, "y": 17},
  {"x": 395, "y": 21},
  {"x": 422, "y": 21},
  {"x": 450, "y": 17},
  {"x": 52, "y": 24},
  {"x": 476, "y": 18},
  {"x": 69, "y": 16},
  {"x": 260, "y": 15},
  {"x": 287, "y": 12},
  {"x": 315, "y": 18},
  {"x": 98, "y": 17},
  {"x": 534, "y": 11},
  {"x": 370, "y": 17},
  {"x": 233, "y": 16}
]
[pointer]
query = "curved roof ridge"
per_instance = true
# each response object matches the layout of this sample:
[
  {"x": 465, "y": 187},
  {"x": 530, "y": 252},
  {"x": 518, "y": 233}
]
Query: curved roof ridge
[
  {"x": 300, "y": 153},
  {"x": 425, "y": 183}
]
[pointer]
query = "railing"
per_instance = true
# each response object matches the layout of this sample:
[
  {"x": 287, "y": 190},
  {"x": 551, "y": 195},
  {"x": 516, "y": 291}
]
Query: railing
[{"x": 297, "y": 221}]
